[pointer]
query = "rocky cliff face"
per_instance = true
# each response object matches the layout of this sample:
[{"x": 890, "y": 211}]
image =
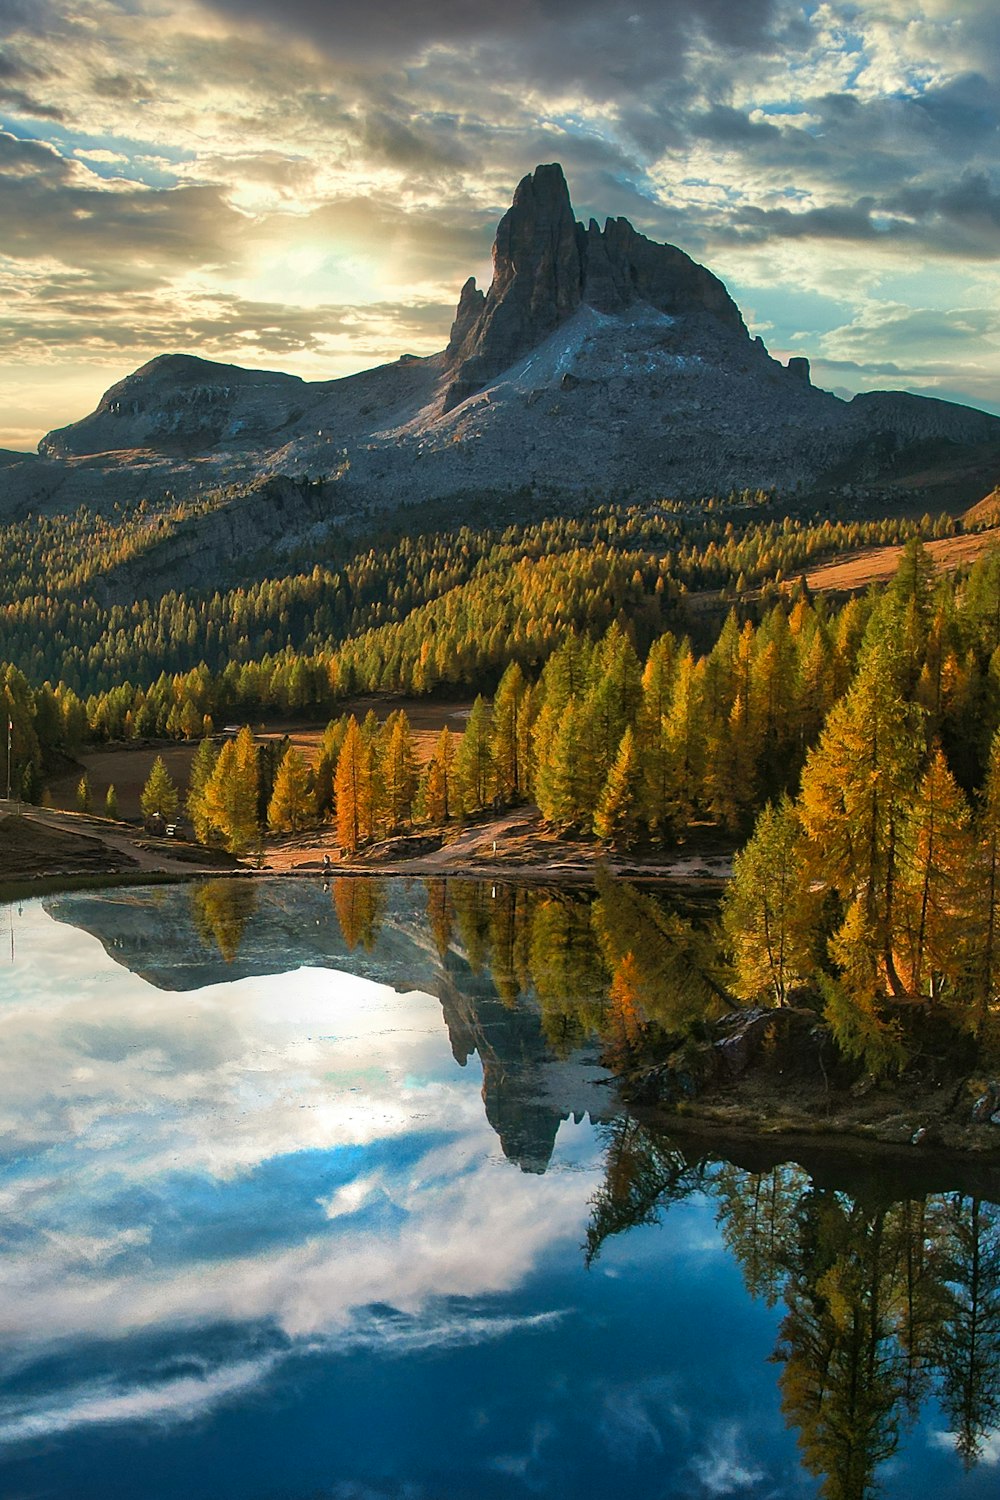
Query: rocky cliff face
[
  {"x": 180, "y": 404},
  {"x": 596, "y": 361},
  {"x": 545, "y": 265}
]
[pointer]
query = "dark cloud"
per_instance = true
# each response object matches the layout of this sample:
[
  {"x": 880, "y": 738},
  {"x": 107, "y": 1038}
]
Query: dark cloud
[
  {"x": 394, "y": 139},
  {"x": 961, "y": 219},
  {"x": 913, "y": 329},
  {"x": 115, "y": 86},
  {"x": 836, "y": 222},
  {"x": 19, "y": 79},
  {"x": 49, "y": 211},
  {"x": 36, "y": 16},
  {"x": 605, "y": 42},
  {"x": 972, "y": 202},
  {"x": 16, "y": 102},
  {"x": 732, "y": 127},
  {"x": 965, "y": 108}
]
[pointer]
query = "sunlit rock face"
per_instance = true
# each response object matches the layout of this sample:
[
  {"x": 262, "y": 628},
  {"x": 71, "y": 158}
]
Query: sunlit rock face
[{"x": 180, "y": 403}]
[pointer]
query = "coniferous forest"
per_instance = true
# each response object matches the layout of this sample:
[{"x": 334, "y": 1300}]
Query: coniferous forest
[{"x": 639, "y": 673}]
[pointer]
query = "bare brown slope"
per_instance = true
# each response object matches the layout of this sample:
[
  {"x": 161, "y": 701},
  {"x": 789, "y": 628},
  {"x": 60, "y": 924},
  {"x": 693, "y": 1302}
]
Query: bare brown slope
[{"x": 848, "y": 575}]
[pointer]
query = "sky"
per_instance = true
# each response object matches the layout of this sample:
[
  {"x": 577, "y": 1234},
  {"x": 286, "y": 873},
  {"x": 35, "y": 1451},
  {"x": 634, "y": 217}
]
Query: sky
[{"x": 305, "y": 185}]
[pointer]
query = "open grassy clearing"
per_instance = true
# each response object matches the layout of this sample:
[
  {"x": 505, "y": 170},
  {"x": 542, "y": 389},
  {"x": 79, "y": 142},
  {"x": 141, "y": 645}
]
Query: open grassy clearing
[{"x": 127, "y": 767}]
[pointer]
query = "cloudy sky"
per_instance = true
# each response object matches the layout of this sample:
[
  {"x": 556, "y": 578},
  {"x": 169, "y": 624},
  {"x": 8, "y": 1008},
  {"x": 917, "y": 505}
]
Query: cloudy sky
[{"x": 305, "y": 185}]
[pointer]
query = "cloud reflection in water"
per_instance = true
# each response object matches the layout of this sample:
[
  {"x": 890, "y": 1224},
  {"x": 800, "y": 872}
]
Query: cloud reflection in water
[{"x": 297, "y": 1154}]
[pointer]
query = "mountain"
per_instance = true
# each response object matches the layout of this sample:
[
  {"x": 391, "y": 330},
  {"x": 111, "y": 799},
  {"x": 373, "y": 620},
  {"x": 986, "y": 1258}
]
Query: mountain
[{"x": 596, "y": 360}]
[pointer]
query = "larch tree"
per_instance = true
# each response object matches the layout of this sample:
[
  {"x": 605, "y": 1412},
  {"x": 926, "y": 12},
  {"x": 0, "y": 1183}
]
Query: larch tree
[
  {"x": 373, "y": 739},
  {"x": 935, "y": 867},
  {"x": 159, "y": 795},
  {"x": 562, "y": 780},
  {"x": 985, "y": 893},
  {"x": 399, "y": 772},
  {"x": 292, "y": 805},
  {"x": 202, "y": 767},
  {"x": 856, "y": 787},
  {"x": 326, "y": 764},
  {"x": 439, "y": 780},
  {"x": 474, "y": 759},
  {"x": 352, "y": 789},
  {"x": 684, "y": 746},
  {"x": 618, "y": 811},
  {"x": 229, "y": 798},
  {"x": 510, "y": 735},
  {"x": 769, "y": 913}
]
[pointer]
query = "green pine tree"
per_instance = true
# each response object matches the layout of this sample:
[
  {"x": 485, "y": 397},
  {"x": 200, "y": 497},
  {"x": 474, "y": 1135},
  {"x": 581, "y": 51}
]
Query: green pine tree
[{"x": 159, "y": 795}]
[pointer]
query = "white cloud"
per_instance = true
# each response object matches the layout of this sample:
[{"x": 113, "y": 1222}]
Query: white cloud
[
  {"x": 115, "y": 1093},
  {"x": 989, "y": 1450},
  {"x": 179, "y": 1400},
  {"x": 726, "y": 1469}
]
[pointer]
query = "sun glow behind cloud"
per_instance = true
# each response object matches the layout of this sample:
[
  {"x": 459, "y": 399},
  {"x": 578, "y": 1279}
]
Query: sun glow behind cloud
[{"x": 307, "y": 185}]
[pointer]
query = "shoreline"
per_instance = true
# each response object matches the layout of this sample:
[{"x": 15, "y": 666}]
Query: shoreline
[
  {"x": 57, "y": 852},
  {"x": 39, "y": 844}
]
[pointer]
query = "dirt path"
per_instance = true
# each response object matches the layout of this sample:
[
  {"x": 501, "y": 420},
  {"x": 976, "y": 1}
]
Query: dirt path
[
  {"x": 472, "y": 844},
  {"x": 513, "y": 845},
  {"x": 75, "y": 833}
]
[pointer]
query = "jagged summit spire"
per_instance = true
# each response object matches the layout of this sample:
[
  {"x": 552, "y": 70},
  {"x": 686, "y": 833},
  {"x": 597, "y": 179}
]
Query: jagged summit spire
[
  {"x": 545, "y": 265},
  {"x": 537, "y": 282}
]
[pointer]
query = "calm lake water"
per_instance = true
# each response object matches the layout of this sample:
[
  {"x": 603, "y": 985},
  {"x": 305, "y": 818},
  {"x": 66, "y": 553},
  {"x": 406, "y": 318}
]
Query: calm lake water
[{"x": 316, "y": 1192}]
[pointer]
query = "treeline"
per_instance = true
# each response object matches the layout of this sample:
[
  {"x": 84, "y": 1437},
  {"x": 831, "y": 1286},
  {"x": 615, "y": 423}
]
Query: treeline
[
  {"x": 641, "y": 560},
  {"x": 871, "y": 884},
  {"x": 631, "y": 745},
  {"x": 48, "y": 555},
  {"x": 878, "y": 883}
]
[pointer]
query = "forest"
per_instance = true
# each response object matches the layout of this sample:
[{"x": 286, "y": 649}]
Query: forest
[
  {"x": 849, "y": 748},
  {"x": 365, "y": 611}
]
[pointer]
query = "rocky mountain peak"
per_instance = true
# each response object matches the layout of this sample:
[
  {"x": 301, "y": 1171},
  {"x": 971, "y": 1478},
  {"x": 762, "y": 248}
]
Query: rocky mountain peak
[
  {"x": 545, "y": 265},
  {"x": 537, "y": 282}
]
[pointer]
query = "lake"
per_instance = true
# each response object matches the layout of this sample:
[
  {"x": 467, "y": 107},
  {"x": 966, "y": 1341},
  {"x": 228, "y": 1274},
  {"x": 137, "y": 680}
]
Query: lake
[{"x": 324, "y": 1192}]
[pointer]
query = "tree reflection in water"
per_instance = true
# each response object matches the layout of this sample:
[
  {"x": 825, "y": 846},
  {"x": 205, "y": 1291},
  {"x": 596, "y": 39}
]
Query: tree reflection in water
[
  {"x": 221, "y": 910},
  {"x": 888, "y": 1301},
  {"x": 360, "y": 906},
  {"x": 889, "y": 1288}
]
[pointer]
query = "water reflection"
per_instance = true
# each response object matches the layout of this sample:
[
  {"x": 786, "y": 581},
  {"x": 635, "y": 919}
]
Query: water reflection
[
  {"x": 314, "y": 1191},
  {"x": 888, "y": 1300},
  {"x": 221, "y": 911}
]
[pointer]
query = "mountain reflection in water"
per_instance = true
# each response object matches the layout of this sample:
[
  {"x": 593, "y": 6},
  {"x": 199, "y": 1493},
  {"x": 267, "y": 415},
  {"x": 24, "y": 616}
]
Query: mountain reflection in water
[{"x": 257, "y": 1239}]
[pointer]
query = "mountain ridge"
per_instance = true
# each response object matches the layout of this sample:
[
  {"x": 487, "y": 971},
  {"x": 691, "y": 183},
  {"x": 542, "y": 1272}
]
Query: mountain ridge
[{"x": 597, "y": 361}]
